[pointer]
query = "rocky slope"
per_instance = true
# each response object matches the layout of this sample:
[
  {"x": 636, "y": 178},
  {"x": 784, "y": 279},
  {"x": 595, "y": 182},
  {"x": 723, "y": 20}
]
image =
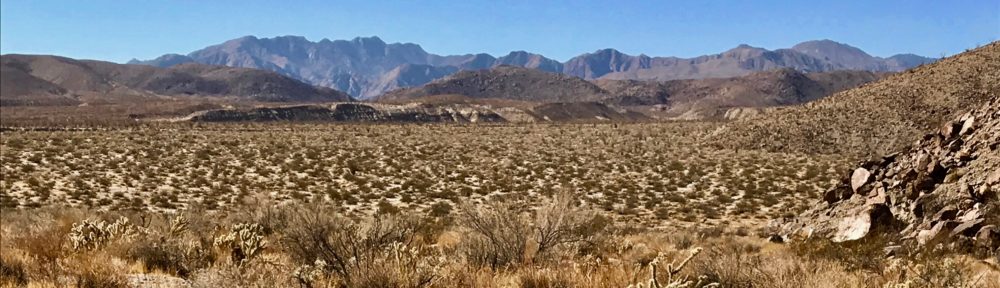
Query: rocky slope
[
  {"x": 348, "y": 112},
  {"x": 942, "y": 189},
  {"x": 363, "y": 66},
  {"x": 507, "y": 82},
  {"x": 876, "y": 118},
  {"x": 712, "y": 98},
  {"x": 41, "y": 80}
]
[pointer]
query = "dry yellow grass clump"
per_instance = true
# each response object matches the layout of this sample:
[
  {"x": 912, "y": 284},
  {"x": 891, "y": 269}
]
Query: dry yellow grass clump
[{"x": 559, "y": 244}]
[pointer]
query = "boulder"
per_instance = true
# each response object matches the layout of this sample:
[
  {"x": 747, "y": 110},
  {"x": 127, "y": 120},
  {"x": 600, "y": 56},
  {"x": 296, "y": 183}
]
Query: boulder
[
  {"x": 932, "y": 235},
  {"x": 988, "y": 236},
  {"x": 852, "y": 228},
  {"x": 967, "y": 125},
  {"x": 967, "y": 228},
  {"x": 859, "y": 178}
]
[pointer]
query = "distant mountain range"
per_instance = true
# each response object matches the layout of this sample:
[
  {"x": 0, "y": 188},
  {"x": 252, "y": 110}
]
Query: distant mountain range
[
  {"x": 368, "y": 67},
  {"x": 684, "y": 99},
  {"x": 41, "y": 80}
]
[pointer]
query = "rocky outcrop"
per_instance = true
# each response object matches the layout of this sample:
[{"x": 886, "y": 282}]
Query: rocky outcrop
[
  {"x": 349, "y": 112},
  {"x": 942, "y": 189}
]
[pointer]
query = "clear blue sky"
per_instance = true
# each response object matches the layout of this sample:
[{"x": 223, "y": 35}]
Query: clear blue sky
[{"x": 120, "y": 30}]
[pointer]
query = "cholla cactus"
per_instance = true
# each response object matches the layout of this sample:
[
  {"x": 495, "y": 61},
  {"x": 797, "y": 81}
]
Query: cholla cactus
[
  {"x": 308, "y": 274},
  {"x": 245, "y": 242},
  {"x": 178, "y": 225},
  {"x": 91, "y": 234},
  {"x": 672, "y": 270}
]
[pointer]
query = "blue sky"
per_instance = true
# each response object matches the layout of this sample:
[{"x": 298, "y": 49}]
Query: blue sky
[{"x": 121, "y": 30}]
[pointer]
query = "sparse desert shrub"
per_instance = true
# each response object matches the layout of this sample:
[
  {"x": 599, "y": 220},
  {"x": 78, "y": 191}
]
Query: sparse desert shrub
[
  {"x": 672, "y": 270},
  {"x": 499, "y": 234},
  {"x": 545, "y": 278},
  {"x": 562, "y": 222},
  {"x": 171, "y": 257},
  {"x": 440, "y": 209},
  {"x": 866, "y": 253},
  {"x": 377, "y": 253},
  {"x": 92, "y": 279},
  {"x": 12, "y": 273}
]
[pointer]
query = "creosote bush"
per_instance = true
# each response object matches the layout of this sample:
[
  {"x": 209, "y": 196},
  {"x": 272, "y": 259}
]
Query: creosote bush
[{"x": 502, "y": 236}]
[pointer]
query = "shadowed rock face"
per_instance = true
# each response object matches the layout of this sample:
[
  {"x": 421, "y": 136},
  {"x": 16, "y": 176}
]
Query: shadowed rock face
[
  {"x": 943, "y": 189},
  {"x": 364, "y": 66}
]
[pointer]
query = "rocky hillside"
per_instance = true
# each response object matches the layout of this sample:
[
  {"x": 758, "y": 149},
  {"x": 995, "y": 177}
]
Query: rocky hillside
[
  {"x": 712, "y": 98},
  {"x": 507, "y": 82},
  {"x": 347, "y": 112},
  {"x": 46, "y": 80},
  {"x": 942, "y": 189},
  {"x": 364, "y": 66},
  {"x": 420, "y": 113},
  {"x": 877, "y": 118}
]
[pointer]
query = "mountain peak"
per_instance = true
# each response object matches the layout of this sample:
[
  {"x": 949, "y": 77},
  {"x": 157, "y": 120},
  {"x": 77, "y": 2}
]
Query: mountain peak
[
  {"x": 744, "y": 47},
  {"x": 827, "y": 46},
  {"x": 608, "y": 51},
  {"x": 245, "y": 39},
  {"x": 371, "y": 39}
]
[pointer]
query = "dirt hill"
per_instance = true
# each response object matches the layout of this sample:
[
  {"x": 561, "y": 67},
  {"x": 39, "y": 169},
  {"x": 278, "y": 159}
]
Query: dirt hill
[
  {"x": 877, "y": 118},
  {"x": 53, "y": 80},
  {"x": 712, "y": 98}
]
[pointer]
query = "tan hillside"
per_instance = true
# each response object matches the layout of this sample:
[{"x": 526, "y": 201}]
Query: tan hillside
[
  {"x": 943, "y": 189},
  {"x": 711, "y": 98},
  {"x": 877, "y": 118},
  {"x": 49, "y": 80}
]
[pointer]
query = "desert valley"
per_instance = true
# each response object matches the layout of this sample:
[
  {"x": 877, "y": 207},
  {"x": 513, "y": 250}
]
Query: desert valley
[{"x": 283, "y": 162}]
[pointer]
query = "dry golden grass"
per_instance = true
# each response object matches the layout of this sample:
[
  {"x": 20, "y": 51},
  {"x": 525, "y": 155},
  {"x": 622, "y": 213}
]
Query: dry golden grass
[{"x": 313, "y": 246}]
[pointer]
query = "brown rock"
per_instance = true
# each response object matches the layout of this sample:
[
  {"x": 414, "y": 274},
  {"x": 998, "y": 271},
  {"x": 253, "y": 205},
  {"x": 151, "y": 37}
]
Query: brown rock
[
  {"x": 893, "y": 250},
  {"x": 988, "y": 236},
  {"x": 947, "y": 213},
  {"x": 831, "y": 195},
  {"x": 878, "y": 197},
  {"x": 968, "y": 125},
  {"x": 859, "y": 178},
  {"x": 967, "y": 228},
  {"x": 994, "y": 177},
  {"x": 930, "y": 236},
  {"x": 950, "y": 129}
]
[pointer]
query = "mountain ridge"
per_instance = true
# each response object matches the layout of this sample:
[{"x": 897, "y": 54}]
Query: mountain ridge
[
  {"x": 55, "y": 80},
  {"x": 361, "y": 66}
]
